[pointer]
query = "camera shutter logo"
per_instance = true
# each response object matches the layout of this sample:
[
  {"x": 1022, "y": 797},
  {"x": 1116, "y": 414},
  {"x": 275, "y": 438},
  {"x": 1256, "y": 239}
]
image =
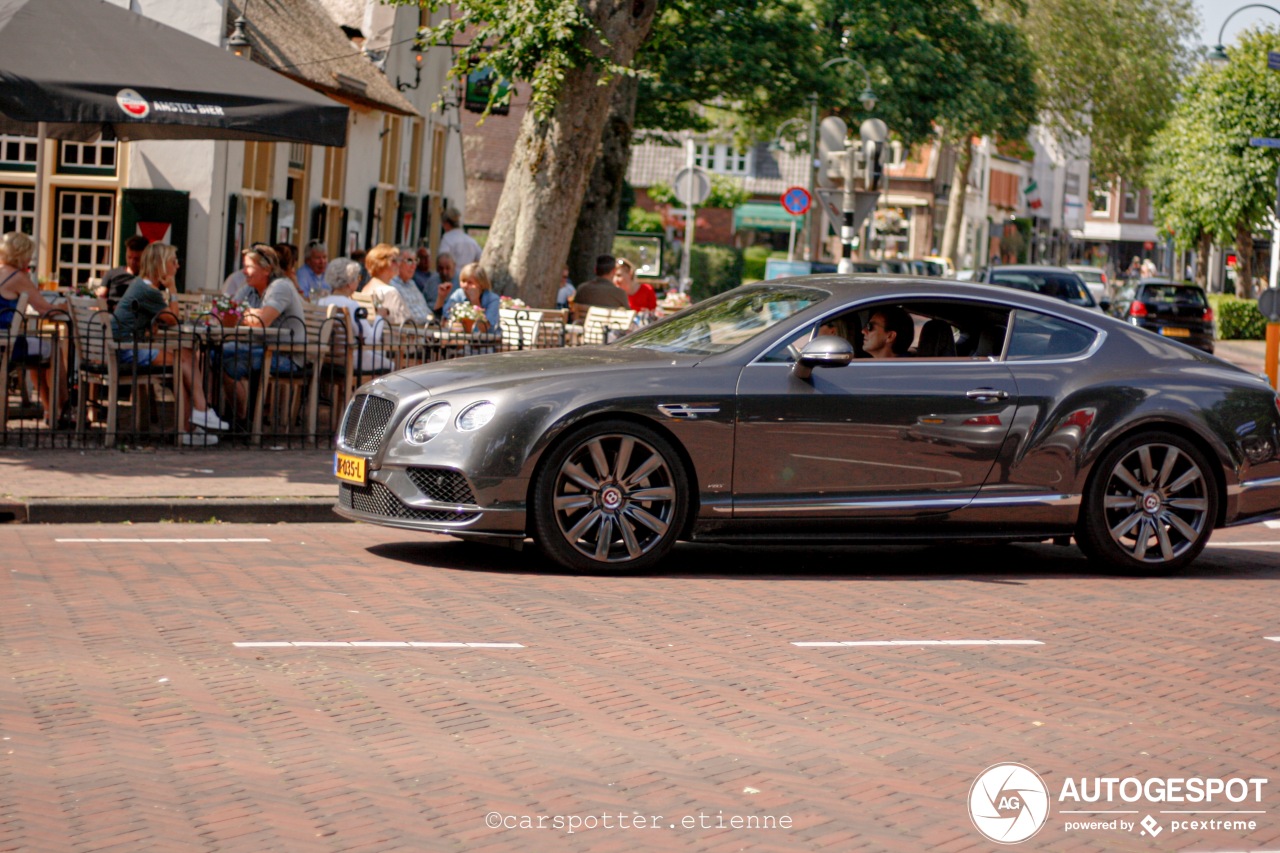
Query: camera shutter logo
[
  {"x": 133, "y": 103},
  {"x": 1008, "y": 803}
]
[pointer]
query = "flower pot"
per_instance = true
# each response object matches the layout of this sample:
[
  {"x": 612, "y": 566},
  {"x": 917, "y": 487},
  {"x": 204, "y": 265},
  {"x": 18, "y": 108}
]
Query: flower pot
[{"x": 467, "y": 324}]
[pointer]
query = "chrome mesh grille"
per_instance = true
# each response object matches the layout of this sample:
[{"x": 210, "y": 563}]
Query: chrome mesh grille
[
  {"x": 442, "y": 485},
  {"x": 366, "y": 422},
  {"x": 377, "y": 499}
]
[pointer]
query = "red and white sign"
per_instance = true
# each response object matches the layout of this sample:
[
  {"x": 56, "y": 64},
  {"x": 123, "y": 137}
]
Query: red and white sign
[
  {"x": 156, "y": 232},
  {"x": 133, "y": 103}
]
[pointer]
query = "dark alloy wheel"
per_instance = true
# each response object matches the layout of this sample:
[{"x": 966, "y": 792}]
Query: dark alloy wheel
[
  {"x": 611, "y": 496},
  {"x": 1150, "y": 505}
]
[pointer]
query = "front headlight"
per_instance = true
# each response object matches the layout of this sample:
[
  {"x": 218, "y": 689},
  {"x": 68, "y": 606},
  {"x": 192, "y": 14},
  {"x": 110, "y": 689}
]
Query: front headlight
[
  {"x": 476, "y": 416},
  {"x": 427, "y": 423}
]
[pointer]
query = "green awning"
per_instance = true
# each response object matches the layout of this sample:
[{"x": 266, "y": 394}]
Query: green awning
[{"x": 764, "y": 216}]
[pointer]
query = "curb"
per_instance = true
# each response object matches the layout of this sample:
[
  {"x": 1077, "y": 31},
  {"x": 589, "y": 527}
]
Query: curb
[{"x": 150, "y": 510}]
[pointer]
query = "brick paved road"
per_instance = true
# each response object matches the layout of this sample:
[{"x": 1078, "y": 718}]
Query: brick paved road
[{"x": 131, "y": 720}]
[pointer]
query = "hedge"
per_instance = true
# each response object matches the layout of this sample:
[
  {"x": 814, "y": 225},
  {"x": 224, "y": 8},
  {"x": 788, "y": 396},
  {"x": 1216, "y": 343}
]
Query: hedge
[
  {"x": 1237, "y": 319},
  {"x": 714, "y": 269},
  {"x": 754, "y": 261}
]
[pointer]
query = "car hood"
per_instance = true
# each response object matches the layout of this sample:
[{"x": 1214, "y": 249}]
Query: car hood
[{"x": 506, "y": 368}]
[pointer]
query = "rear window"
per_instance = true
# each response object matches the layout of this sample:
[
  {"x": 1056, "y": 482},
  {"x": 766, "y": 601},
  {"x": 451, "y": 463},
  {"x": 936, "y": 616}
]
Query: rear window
[
  {"x": 1068, "y": 288},
  {"x": 1036, "y": 336},
  {"x": 1174, "y": 294}
]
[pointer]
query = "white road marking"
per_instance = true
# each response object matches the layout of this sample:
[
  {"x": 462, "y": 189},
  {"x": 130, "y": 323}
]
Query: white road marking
[
  {"x": 1274, "y": 525},
  {"x": 1272, "y": 639},
  {"x": 1243, "y": 544},
  {"x": 847, "y": 643},
  {"x": 158, "y": 539},
  {"x": 363, "y": 644}
]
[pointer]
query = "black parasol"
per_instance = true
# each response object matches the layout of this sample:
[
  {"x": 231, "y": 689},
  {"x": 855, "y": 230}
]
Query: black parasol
[{"x": 87, "y": 68}]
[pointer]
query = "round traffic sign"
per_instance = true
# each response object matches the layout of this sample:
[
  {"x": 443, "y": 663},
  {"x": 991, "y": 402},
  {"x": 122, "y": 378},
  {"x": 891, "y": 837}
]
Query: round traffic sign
[
  {"x": 796, "y": 201},
  {"x": 692, "y": 185},
  {"x": 1269, "y": 304}
]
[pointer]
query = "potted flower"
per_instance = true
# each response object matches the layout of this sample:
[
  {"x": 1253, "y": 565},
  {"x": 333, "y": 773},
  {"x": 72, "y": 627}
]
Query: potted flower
[
  {"x": 226, "y": 310},
  {"x": 511, "y": 302},
  {"x": 466, "y": 315}
]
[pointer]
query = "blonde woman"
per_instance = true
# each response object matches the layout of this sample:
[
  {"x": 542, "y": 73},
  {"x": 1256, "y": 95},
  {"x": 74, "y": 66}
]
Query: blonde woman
[
  {"x": 383, "y": 262},
  {"x": 16, "y": 249},
  {"x": 478, "y": 290},
  {"x": 150, "y": 302}
]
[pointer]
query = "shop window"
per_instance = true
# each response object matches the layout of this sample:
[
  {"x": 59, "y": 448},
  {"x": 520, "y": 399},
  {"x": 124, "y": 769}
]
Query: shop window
[
  {"x": 77, "y": 158},
  {"x": 17, "y": 153},
  {"x": 83, "y": 235}
]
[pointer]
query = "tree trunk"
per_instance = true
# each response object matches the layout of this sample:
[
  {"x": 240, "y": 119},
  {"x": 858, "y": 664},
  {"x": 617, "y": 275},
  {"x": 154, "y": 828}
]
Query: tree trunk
[
  {"x": 598, "y": 219},
  {"x": 955, "y": 206},
  {"x": 1244, "y": 262},
  {"x": 552, "y": 161},
  {"x": 1203, "y": 248}
]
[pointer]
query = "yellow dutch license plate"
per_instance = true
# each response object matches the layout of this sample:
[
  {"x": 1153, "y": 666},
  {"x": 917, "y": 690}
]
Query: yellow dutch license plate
[
  {"x": 1175, "y": 332},
  {"x": 353, "y": 469}
]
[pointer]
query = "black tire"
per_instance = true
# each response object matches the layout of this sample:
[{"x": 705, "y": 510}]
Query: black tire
[
  {"x": 613, "y": 495},
  {"x": 1150, "y": 505}
]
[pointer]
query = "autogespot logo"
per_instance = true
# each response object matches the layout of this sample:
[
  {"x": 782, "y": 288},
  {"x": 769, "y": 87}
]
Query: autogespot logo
[{"x": 1008, "y": 803}]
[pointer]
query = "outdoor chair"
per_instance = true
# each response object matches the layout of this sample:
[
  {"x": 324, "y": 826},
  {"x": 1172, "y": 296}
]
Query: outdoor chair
[
  {"x": 602, "y": 325},
  {"x": 98, "y": 366}
]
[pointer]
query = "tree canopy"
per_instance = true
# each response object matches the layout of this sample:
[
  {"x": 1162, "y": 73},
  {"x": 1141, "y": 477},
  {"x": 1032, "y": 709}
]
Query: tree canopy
[
  {"x": 1205, "y": 176},
  {"x": 1107, "y": 71}
]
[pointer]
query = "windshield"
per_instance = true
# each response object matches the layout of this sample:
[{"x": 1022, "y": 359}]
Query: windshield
[
  {"x": 728, "y": 320},
  {"x": 1065, "y": 286}
]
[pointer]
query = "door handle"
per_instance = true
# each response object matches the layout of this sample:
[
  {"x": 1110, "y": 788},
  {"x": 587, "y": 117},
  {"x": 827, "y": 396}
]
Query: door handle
[{"x": 987, "y": 395}]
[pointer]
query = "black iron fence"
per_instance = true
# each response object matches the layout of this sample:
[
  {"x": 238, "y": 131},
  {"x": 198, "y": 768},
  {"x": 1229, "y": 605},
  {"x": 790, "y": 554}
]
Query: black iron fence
[{"x": 195, "y": 382}]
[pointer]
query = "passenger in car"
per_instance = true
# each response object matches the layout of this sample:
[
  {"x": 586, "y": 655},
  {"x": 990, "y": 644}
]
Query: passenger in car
[{"x": 889, "y": 333}]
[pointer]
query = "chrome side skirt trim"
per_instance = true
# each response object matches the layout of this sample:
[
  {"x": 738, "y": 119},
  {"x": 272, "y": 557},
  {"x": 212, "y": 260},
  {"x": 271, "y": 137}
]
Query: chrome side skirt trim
[
  {"x": 939, "y": 504},
  {"x": 1252, "y": 485}
]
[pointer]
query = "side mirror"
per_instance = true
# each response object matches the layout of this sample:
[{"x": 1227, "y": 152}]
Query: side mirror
[{"x": 823, "y": 351}]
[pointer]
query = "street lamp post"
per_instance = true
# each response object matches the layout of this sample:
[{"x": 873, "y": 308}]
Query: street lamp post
[{"x": 1218, "y": 56}]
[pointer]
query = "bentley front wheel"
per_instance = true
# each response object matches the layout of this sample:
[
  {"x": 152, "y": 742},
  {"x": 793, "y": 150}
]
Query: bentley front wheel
[{"x": 611, "y": 496}]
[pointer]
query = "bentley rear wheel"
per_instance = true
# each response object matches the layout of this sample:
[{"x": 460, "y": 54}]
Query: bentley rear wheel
[
  {"x": 1150, "y": 506},
  {"x": 613, "y": 495}
]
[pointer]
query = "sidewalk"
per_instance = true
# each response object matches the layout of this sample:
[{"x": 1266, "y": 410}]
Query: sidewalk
[
  {"x": 264, "y": 486},
  {"x": 107, "y": 486}
]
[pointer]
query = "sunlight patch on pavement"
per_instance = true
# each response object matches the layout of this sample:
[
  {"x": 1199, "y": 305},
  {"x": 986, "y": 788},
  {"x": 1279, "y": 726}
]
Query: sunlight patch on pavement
[
  {"x": 372, "y": 644},
  {"x": 116, "y": 539},
  {"x": 847, "y": 643}
]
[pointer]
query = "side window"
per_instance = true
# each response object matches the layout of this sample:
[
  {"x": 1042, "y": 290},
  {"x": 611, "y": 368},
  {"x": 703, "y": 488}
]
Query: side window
[
  {"x": 1037, "y": 336},
  {"x": 844, "y": 325}
]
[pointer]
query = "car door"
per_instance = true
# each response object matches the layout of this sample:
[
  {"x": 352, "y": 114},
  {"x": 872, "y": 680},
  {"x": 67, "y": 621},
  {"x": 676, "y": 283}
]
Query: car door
[{"x": 894, "y": 438}]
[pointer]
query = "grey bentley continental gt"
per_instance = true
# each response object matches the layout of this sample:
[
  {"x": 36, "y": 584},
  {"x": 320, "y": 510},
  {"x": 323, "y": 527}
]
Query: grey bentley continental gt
[{"x": 757, "y": 416}]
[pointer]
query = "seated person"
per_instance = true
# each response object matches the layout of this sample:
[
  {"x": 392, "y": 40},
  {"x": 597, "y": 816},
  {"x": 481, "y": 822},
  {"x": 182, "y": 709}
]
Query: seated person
[
  {"x": 272, "y": 301},
  {"x": 149, "y": 302},
  {"x": 116, "y": 281},
  {"x": 889, "y": 333},
  {"x": 478, "y": 290},
  {"x": 341, "y": 278}
]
